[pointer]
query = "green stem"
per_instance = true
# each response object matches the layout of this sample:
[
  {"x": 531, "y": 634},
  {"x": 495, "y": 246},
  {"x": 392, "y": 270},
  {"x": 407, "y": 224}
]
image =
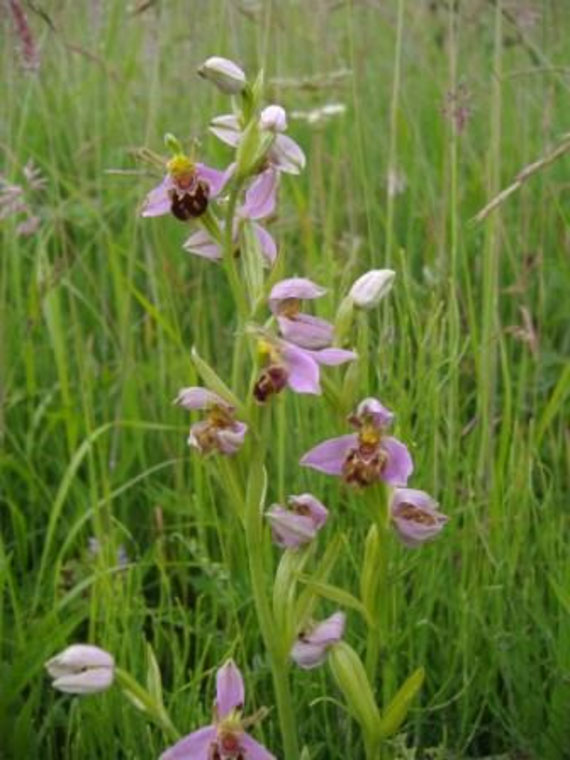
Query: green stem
[
  {"x": 278, "y": 658},
  {"x": 236, "y": 286},
  {"x": 230, "y": 267},
  {"x": 145, "y": 702},
  {"x": 379, "y": 597},
  {"x": 372, "y": 749}
]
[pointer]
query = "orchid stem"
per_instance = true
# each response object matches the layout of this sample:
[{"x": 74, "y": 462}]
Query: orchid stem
[
  {"x": 379, "y": 509},
  {"x": 372, "y": 749},
  {"x": 236, "y": 286},
  {"x": 278, "y": 661}
]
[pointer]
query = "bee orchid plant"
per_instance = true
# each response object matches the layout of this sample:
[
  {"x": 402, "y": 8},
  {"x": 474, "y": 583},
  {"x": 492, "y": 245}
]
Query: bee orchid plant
[{"x": 289, "y": 352}]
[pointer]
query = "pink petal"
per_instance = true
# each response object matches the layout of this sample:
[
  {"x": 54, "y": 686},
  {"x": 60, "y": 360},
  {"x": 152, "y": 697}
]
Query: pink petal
[
  {"x": 419, "y": 499},
  {"x": 329, "y": 456},
  {"x": 411, "y": 532},
  {"x": 214, "y": 178},
  {"x": 226, "y": 128},
  {"x": 78, "y": 657},
  {"x": 195, "y": 746},
  {"x": 294, "y": 287},
  {"x": 158, "y": 201},
  {"x": 399, "y": 466},
  {"x": 308, "y": 655},
  {"x": 371, "y": 407},
  {"x": 199, "y": 398},
  {"x": 289, "y": 529},
  {"x": 311, "y": 648},
  {"x": 260, "y": 197},
  {"x": 317, "y": 510},
  {"x": 286, "y": 155},
  {"x": 332, "y": 356},
  {"x": 306, "y": 331},
  {"x": 89, "y": 681},
  {"x": 273, "y": 118},
  {"x": 231, "y": 439},
  {"x": 230, "y": 692},
  {"x": 303, "y": 370},
  {"x": 266, "y": 242},
  {"x": 202, "y": 244},
  {"x": 254, "y": 750},
  {"x": 329, "y": 631}
]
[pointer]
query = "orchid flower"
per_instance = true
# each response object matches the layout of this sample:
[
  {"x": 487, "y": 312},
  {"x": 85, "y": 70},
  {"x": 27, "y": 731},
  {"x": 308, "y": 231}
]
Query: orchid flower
[
  {"x": 415, "y": 516},
  {"x": 311, "y": 646},
  {"x": 225, "y": 738},
  {"x": 259, "y": 203},
  {"x": 302, "y": 329},
  {"x": 367, "y": 456},
  {"x": 185, "y": 190},
  {"x": 300, "y": 523},
  {"x": 220, "y": 431},
  {"x": 289, "y": 365},
  {"x": 284, "y": 154},
  {"x": 81, "y": 669}
]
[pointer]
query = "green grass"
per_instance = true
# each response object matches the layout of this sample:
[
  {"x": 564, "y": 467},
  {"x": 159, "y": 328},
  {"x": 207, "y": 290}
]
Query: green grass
[{"x": 99, "y": 310}]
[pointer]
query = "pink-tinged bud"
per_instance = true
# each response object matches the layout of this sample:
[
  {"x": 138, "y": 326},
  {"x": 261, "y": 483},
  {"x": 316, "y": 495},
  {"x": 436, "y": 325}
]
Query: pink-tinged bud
[
  {"x": 273, "y": 119},
  {"x": 225, "y": 74},
  {"x": 370, "y": 289},
  {"x": 81, "y": 669}
]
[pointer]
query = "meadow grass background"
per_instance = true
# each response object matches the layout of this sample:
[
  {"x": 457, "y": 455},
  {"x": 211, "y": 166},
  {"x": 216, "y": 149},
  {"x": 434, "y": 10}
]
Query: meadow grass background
[{"x": 99, "y": 310}]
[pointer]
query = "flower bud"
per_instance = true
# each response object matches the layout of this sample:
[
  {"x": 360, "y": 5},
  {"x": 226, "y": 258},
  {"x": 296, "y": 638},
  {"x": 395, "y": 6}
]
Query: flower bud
[
  {"x": 370, "y": 289},
  {"x": 173, "y": 144},
  {"x": 348, "y": 671},
  {"x": 225, "y": 74},
  {"x": 273, "y": 119},
  {"x": 81, "y": 669}
]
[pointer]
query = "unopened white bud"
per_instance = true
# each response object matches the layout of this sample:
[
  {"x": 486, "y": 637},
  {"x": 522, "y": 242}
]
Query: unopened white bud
[
  {"x": 370, "y": 289},
  {"x": 225, "y": 74},
  {"x": 82, "y": 669},
  {"x": 273, "y": 118}
]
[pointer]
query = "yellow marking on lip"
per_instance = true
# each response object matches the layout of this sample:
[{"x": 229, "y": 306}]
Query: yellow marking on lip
[
  {"x": 267, "y": 351},
  {"x": 369, "y": 436},
  {"x": 180, "y": 167}
]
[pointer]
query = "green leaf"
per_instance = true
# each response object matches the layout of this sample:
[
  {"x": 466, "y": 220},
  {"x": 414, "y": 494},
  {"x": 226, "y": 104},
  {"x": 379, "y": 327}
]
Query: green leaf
[
  {"x": 252, "y": 259},
  {"x": 350, "y": 676},
  {"x": 338, "y": 595},
  {"x": 215, "y": 383},
  {"x": 284, "y": 590},
  {"x": 153, "y": 677},
  {"x": 307, "y": 600},
  {"x": 395, "y": 713}
]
